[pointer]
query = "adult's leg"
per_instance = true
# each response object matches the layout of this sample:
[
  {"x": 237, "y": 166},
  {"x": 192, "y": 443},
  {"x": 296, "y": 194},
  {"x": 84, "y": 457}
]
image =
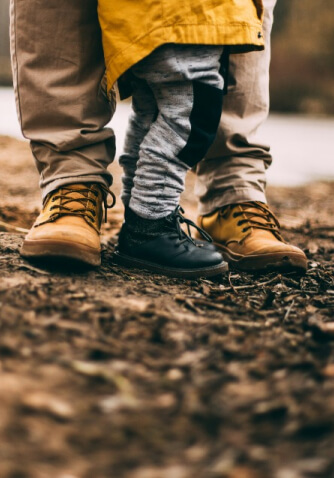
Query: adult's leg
[
  {"x": 58, "y": 68},
  {"x": 234, "y": 168},
  {"x": 231, "y": 180}
]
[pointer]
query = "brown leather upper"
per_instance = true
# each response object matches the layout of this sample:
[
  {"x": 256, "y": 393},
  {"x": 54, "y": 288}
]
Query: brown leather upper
[
  {"x": 72, "y": 213},
  {"x": 246, "y": 229}
]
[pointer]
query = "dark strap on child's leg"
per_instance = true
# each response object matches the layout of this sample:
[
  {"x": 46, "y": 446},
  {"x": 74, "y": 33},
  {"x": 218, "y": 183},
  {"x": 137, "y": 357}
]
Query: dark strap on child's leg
[
  {"x": 225, "y": 67},
  {"x": 204, "y": 120}
]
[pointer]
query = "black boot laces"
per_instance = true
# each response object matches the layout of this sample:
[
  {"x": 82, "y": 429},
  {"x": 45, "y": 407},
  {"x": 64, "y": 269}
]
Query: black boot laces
[
  {"x": 177, "y": 218},
  {"x": 261, "y": 211},
  {"x": 88, "y": 210}
]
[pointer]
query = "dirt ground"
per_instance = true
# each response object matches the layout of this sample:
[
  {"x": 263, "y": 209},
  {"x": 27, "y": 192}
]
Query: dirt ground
[{"x": 112, "y": 373}]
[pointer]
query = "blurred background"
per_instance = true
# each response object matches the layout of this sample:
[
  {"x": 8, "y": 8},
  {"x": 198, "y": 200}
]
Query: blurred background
[
  {"x": 5, "y": 74},
  {"x": 301, "y": 125}
]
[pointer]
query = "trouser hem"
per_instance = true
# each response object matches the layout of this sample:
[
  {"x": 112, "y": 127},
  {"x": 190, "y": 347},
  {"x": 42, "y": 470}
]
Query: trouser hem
[
  {"x": 53, "y": 185},
  {"x": 235, "y": 196}
]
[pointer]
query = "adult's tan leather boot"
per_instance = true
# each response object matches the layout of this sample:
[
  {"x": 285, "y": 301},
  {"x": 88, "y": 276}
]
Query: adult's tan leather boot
[
  {"x": 69, "y": 225},
  {"x": 249, "y": 237}
]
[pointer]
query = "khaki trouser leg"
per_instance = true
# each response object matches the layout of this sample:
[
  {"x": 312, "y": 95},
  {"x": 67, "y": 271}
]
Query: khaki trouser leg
[
  {"x": 234, "y": 168},
  {"x": 58, "y": 66}
]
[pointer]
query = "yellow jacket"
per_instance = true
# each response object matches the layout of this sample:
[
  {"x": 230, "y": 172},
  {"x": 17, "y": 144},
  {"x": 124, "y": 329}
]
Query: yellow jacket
[{"x": 132, "y": 29}]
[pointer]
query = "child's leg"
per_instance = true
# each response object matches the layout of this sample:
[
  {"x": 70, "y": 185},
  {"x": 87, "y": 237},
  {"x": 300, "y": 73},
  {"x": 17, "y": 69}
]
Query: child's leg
[
  {"x": 144, "y": 113},
  {"x": 188, "y": 90}
]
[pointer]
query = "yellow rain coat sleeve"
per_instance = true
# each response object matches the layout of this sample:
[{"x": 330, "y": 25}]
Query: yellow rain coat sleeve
[{"x": 132, "y": 29}]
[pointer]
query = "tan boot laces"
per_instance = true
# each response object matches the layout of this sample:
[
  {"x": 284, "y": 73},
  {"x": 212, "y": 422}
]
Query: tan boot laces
[
  {"x": 89, "y": 204},
  {"x": 250, "y": 215}
]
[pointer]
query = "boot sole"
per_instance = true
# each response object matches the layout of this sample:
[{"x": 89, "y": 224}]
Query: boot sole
[
  {"x": 58, "y": 250},
  {"x": 197, "y": 273},
  {"x": 279, "y": 261}
]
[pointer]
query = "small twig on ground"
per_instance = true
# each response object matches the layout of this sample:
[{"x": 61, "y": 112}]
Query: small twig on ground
[
  {"x": 14, "y": 228},
  {"x": 212, "y": 305},
  {"x": 288, "y": 311},
  {"x": 28, "y": 267},
  {"x": 230, "y": 282},
  {"x": 290, "y": 281},
  {"x": 250, "y": 286},
  {"x": 192, "y": 301}
]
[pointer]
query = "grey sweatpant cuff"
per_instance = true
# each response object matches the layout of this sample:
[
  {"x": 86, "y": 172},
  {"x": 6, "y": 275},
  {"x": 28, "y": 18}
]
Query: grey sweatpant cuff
[
  {"x": 232, "y": 196},
  {"x": 53, "y": 185}
]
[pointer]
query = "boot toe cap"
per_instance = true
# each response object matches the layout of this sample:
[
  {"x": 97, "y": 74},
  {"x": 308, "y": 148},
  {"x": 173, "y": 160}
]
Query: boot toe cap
[{"x": 57, "y": 233}]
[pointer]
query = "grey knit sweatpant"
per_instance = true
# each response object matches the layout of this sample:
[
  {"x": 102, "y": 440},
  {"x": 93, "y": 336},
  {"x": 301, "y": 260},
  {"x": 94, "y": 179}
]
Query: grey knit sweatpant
[{"x": 177, "y": 102}]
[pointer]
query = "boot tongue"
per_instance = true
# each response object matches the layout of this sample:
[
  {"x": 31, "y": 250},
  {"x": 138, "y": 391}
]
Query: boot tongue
[
  {"x": 261, "y": 216},
  {"x": 79, "y": 192}
]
